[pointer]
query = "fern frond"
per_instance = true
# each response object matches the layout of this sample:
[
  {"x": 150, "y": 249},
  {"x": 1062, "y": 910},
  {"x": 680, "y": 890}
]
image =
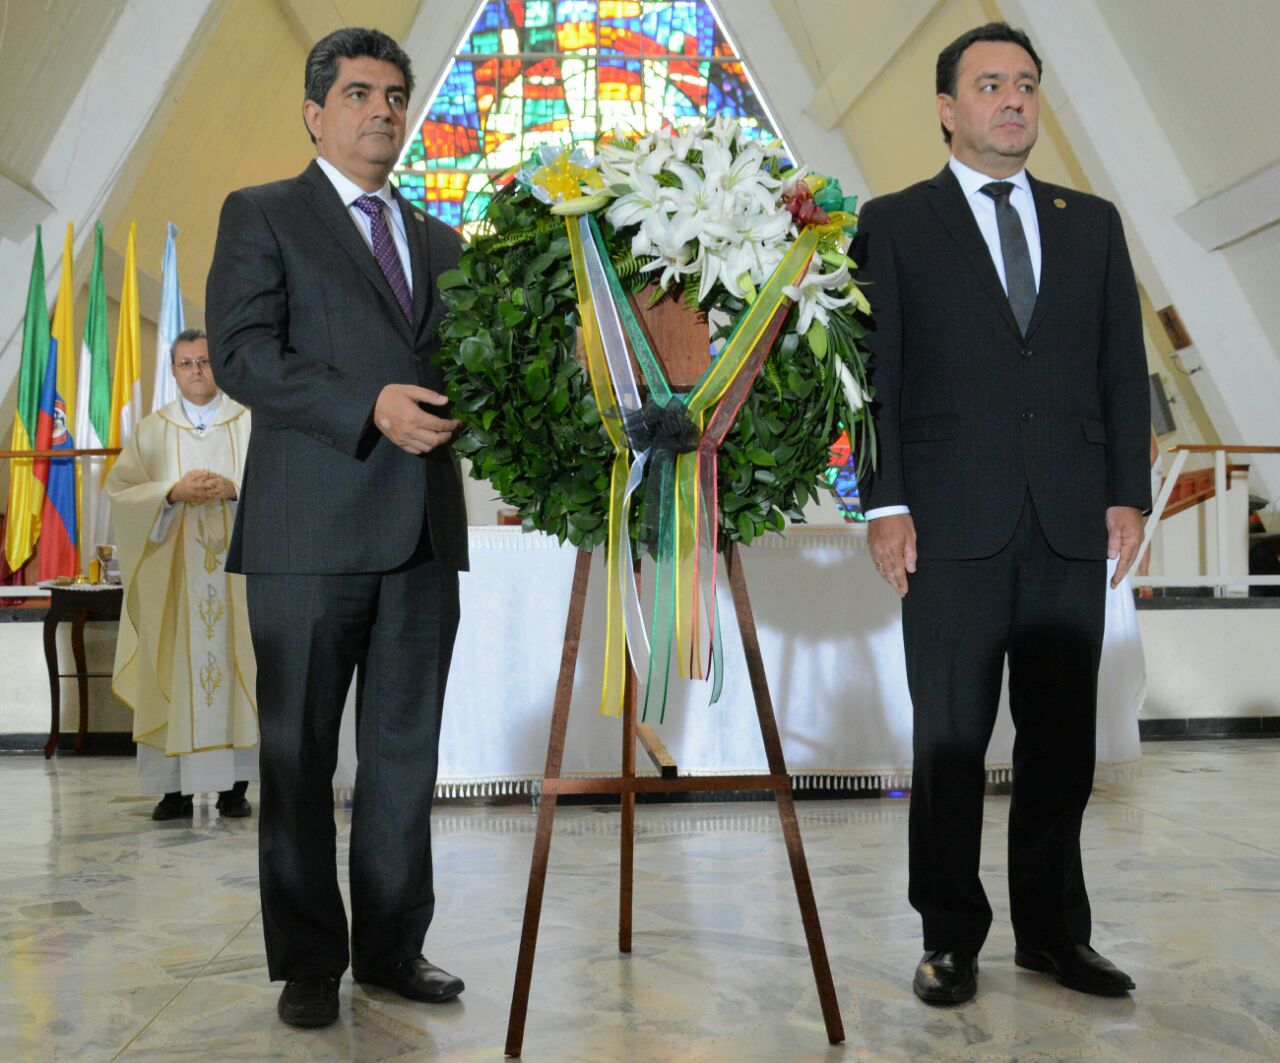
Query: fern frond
[
  {"x": 772, "y": 375},
  {"x": 691, "y": 294},
  {"x": 627, "y": 267}
]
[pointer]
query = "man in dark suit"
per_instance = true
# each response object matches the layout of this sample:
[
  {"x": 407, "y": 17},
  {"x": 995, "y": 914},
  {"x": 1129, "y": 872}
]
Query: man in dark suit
[
  {"x": 351, "y": 529},
  {"x": 1012, "y": 412}
]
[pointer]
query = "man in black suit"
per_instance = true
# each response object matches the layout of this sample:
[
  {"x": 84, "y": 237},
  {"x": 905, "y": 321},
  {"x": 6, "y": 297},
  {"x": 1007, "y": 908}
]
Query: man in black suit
[
  {"x": 351, "y": 529},
  {"x": 1012, "y": 412}
]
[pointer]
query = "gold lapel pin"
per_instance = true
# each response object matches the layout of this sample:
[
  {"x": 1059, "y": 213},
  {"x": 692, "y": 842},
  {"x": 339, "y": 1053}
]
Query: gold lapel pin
[
  {"x": 422, "y": 217},
  {"x": 1061, "y": 204}
]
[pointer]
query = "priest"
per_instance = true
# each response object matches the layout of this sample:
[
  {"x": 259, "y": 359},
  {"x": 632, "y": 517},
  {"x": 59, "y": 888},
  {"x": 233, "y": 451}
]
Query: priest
[{"x": 184, "y": 661}]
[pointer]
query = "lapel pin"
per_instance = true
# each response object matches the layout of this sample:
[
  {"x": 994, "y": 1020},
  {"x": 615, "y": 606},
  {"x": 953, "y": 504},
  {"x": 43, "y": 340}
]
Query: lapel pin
[
  {"x": 1061, "y": 204},
  {"x": 422, "y": 217}
]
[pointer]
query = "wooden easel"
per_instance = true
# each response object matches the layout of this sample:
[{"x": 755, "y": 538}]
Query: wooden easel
[{"x": 627, "y": 785}]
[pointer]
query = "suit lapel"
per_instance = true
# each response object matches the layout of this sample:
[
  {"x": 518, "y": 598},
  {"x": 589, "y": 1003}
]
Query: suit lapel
[
  {"x": 1053, "y": 223},
  {"x": 947, "y": 199},
  {"x": 417, "y": 234},
  {"x": 334, "y": 214}
]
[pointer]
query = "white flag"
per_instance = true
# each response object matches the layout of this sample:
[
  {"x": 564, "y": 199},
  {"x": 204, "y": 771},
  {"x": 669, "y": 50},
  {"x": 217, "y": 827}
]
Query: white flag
[{"x": 170, "y": 324}]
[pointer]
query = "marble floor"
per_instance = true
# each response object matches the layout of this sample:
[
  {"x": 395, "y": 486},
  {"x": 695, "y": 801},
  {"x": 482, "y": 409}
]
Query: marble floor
[{"x": 125, "y": 939}]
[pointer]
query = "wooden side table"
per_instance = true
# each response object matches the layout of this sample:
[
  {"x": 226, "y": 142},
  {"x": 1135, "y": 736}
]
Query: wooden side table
[{"x": 78, "y": 604}]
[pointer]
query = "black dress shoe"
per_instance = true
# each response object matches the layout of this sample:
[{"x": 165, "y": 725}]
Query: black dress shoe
[
  {"x": 416, "y": 979},
  {"x": 1077, "y": 967},
  {"x": 946, "y": 976},
  {"x": 232, "y": 805},
  {"x": 174, "y": 806},
  {"x": 309, "y": 1001}
]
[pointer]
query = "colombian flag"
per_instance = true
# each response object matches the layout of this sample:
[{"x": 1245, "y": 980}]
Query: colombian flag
[
  {"x": 26, "y": 493},
  {"x": 58, "y": 555}
]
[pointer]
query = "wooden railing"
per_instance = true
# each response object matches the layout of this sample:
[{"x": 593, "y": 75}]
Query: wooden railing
[
  {"x": 1196, "y": 486},
  {"x": 1220, "y": 581},
  {"x": 101, "y": 452}
]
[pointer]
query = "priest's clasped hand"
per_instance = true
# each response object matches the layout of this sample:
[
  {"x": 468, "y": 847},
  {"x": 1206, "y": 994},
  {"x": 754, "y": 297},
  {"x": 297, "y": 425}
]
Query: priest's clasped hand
[
  {"x": 400, "y": 417},
  {"x": 200, "y": 486}
]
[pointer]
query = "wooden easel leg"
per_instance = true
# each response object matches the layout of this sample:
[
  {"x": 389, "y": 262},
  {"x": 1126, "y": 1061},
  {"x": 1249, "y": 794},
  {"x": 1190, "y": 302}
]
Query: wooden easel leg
[
  {"x": 783, "y": 797},
  {"x": 547, "y": 808}
]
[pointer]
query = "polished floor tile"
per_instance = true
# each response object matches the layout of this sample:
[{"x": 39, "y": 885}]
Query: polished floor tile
[{"x": 125, "y": 939}]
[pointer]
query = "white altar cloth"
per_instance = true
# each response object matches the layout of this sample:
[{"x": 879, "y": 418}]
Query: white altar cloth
[{"x": 831, "y": 636}]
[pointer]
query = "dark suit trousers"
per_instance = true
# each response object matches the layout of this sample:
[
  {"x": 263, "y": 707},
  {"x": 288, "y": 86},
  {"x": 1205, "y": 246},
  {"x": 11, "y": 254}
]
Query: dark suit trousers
[
  {"x": 310, "y": 632},
  {"x": 960, "y": 619}
]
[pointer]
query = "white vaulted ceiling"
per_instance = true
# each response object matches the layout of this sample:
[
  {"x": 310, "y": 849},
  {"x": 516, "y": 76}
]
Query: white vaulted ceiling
[{"x": 1211, "y": 74}]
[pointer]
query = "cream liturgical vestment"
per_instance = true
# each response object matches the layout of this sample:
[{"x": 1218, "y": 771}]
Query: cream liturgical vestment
[{"x": 184, "y": 662}]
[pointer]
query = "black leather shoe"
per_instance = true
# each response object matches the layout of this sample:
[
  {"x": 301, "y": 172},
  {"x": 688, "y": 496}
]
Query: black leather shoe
[
  {"x": 309, "y": 1001},
  {"x": 946, "y": 976},
  {"x": 1077, "y": 967},
  {"x": 232, "y": 805},
  {"x": 174, "y": 806},
  {"x": 416, "y": 979}
]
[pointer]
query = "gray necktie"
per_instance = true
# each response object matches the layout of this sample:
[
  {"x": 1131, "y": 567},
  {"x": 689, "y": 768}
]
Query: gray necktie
[{"x": 1019, "y": 278}]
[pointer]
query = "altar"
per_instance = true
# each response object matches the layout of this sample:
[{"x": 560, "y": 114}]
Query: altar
[{"x": 831, "y": 636}]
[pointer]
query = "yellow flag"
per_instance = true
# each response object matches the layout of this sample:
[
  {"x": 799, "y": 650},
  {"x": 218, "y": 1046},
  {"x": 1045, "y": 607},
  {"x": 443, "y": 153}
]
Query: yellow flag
[{"x": 126, "y": 380}]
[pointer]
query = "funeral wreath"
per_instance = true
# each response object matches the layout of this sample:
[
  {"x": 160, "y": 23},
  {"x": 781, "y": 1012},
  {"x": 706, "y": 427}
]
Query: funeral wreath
[{"x": 705, "y": 216}]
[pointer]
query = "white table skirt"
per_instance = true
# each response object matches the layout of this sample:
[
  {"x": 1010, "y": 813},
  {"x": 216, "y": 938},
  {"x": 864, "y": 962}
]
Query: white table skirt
[{"x": 831, "y": 635}]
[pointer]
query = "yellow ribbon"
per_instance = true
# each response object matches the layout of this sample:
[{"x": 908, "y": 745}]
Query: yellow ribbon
[
  {"x": 712, "y": 387},
  {"x": 613, "y": 688},
  {"x": 688, "y": 503}
]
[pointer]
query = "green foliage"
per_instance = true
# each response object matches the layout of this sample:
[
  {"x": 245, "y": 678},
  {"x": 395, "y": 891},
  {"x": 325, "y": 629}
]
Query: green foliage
[{"x": 508, "y": 348}]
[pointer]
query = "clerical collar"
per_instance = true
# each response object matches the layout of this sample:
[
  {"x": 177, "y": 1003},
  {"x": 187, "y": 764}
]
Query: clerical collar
[{"x": 201, "y": 416}]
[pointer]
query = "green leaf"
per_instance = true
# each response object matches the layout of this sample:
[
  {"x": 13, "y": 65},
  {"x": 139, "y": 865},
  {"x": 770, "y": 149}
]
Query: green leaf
[
  {"x": 537, "y": 381},
  {"x": 453, "y": 278},
  {"x": 475, "y": 352},
  {"x": 558, "y": 402},
  {"x": 760, "y": 456},
  {"x": 511, "y": 314},
  {"x": 540, "y": 265}
]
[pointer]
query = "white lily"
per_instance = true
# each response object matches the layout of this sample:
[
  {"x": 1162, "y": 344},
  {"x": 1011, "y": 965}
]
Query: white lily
[
  {"x": 633, "y": 207},
  {"x": 852, "y": 393},
  {"x": 683, "y": 142},
  {"x": 817, "y": 293},
  {"x": 724, "y": 130},
  {"x": 699, "y": 194},
  {"x": 669, "y": 242}
]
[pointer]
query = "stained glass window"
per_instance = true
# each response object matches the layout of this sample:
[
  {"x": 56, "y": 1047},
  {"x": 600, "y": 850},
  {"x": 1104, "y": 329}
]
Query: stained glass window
[
  {"x": 841, "y": 476},
  {"x": 534, "y": 72}
]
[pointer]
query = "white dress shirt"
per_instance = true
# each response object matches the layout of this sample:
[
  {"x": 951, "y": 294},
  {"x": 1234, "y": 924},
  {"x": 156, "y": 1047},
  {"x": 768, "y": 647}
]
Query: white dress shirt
[
  {"x": 350, "y": 192},
  {"x": 984, "y": 213}
]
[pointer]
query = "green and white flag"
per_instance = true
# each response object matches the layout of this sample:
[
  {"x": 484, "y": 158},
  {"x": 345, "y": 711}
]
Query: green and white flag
[{"x": 93, "y": 414}]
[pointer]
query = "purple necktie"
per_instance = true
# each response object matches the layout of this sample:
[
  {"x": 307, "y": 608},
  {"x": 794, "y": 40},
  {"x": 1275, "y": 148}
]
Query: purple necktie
[{"x": 384, "y": 250}]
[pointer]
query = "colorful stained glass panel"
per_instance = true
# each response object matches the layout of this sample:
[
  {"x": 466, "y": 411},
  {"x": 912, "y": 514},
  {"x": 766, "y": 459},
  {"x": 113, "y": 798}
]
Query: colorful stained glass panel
[{"x": 541, "y": 72}]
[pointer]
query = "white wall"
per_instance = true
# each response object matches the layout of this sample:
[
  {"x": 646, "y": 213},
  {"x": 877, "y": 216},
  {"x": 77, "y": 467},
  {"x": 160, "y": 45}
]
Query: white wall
[
  {"x": 1210, "y": 662},
  {"x": 24, "y": 680}
]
